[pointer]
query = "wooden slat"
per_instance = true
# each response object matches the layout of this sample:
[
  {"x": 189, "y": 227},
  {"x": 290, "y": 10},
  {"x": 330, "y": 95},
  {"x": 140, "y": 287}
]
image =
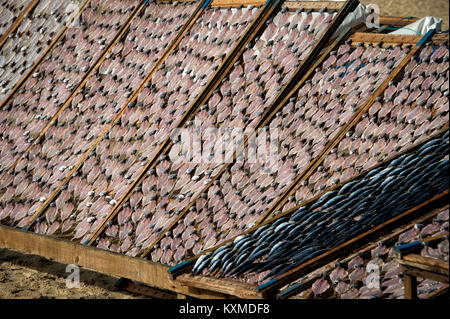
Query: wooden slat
[
  {"x": 413, "y": 271},
  {"x": 387, "y": 39},
  {"x": 284, "y": 96},
  {"x": 397, "y": 21},
  {"x": 232, "y": 288},
  {"x": 313, "y": 5},
  {"x": 316, "y": 162},
  {"x": 47, "y": 50},
  {"x": 197, "y": 13},
  {"x": 17, "y": 22},
  {"x": 107, "y": 262},
  {"x": 86, "y": 77},
  {"x": 165, "y": 146},
  {"x": 353, "y": 244},
  {"x": 236, "y": 3},
  {"x": 133, "y": 97}
]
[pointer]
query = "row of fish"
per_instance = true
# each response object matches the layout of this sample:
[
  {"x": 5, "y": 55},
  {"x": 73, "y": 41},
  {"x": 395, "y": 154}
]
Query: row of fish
[
  {"x": 38, "y": 171},
  {"x": 336, "y": 217},
  {"x": 241, "y": 195},
  {"x": 10, "y": 11},
  {"x": 34, "y": 34},
  {"x": 413, "y": 107},
  {"x": 176, "y": 183},
  {"x": 122, "y": 153}
]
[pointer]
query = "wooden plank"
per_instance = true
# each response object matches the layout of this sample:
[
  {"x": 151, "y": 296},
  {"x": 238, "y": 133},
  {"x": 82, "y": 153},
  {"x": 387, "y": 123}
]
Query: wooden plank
[
  {"x": 397, "y": 21},
  {"x": 352, "y": 244},
  {"x": 17, "y": 22},
  {"x": 133, "y": 97},
  {"x": 313, "y": 5},
  {"x": 439, "y": 293},
  {"x": 232, "y": 288},
  {"x": 236, "y": 3},
  {"x": 284, "y": 96},
  {"x": 47, "y": 50},
  {"x": 316, "y": 162},
  {"x": 107, "y": 262},
  {"x": 387, "y": 39},
  {"x": 141, "y": 289},
  {"x": 115, "y": 210}
]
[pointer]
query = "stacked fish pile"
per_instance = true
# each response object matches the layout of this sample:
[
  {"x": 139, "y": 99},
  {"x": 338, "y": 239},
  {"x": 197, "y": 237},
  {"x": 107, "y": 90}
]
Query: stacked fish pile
[
  {"x": 32, "y": 37},
  {"x": 98, "y": 104},
  {"x": 413, "y": 108},
  {"x": 335, "y": 217},
  {"x": 375, "y": 273},
  {"x": 240, "y": 196},
  {"x": 35, "y": 173},
  {"x": 254, "y": 82},
  {"x": 147, "y": 122},
  {"x": 9, "y": 11}
]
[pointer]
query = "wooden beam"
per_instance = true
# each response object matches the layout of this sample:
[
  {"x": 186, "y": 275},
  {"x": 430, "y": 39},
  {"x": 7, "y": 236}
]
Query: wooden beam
[
  {"x": 352, "y": 244},
  {"x": 107, "y": 262},
  {"x": 284, "y": 95},
  {"x": 17, "y": 22},
  {"x": 312, "y": 277},
  {"x": 236, "y": 3},
  {"x": 416, "y": 272},
  {"x": 115, "y": 210},
  {"x": 425, "y": 263},
  {"x": 204, "y": 95},
  {"x": 39, "y": 60}
]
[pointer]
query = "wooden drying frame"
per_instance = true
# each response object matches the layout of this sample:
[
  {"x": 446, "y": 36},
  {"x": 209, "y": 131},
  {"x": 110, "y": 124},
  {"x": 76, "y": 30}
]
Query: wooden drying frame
[
  {"x": 133, "y": 97},
  {"x": 47, "y": 50},
  {"x": 355, "y": 119},
  {"x": 17, "y": 22},
  {"x": 302, "y": 68},
  {"x": 94, "y": 67},
  {"x": 206, "y": 92},
  {"x": 306, "y": 283},
  {"x": 317, "y": 161}
]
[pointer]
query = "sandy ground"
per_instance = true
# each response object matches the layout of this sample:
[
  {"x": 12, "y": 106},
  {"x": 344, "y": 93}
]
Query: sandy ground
[
  {"x": 414, "y": 8},
  {"x": 28, "y": 276},
  {"x": 34, "y": 277}
]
